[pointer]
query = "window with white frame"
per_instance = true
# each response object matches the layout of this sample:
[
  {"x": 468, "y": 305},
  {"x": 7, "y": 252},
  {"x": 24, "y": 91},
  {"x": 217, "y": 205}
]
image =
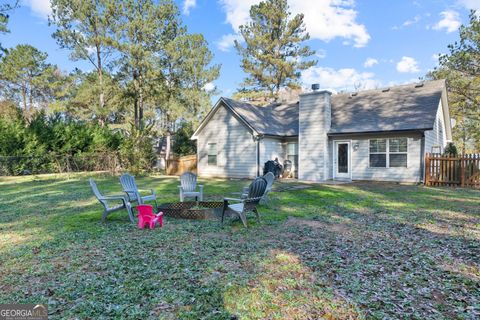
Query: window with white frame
[
  {"x": 212, "y": 154},
  {"x": 388, "y": 153},
  {"x": 378, "y": 153},
  {"x": 397, "y": 153},
  {"x": 292, "y": 154}
]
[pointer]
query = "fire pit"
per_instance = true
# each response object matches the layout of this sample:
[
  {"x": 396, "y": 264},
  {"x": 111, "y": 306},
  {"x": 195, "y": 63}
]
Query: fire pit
[{"x": 192, "y": 210}]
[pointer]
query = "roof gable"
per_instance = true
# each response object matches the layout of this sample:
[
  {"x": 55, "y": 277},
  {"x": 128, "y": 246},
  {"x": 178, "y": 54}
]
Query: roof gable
[{"x": 222, "y": 102}]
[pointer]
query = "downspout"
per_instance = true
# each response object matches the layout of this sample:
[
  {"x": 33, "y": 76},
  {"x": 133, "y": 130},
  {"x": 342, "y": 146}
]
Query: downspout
[
  {"x": 258, "y": 138},
  {"x": 422, "y": 158}
]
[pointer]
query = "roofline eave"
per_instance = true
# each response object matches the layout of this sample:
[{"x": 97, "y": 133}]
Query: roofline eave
[
  {"x": 418, "y": 130},
  {"x": 212, "y": 112}
]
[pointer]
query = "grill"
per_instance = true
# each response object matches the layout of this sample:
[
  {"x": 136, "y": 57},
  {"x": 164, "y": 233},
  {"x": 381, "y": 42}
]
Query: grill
[{"x": 274, "y": 167}]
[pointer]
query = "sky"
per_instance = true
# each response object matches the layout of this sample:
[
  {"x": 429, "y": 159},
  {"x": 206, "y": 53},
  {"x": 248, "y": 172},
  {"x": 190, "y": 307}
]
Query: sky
[{"x": 371, "y": 43}]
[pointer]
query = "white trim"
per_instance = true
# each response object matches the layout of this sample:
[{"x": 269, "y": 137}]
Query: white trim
[
  {"x": 334, "y": 158},
  {"x": 208, "y": 154},
  {"x": 387, "y": 152},
  {"x": 213, "y": 111},
  {"x": 446, "y": 113}
]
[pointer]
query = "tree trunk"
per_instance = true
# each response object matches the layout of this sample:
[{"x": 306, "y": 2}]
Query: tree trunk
[
  {"x": 136, "y": 106},
  {"x": 168, "y": 146},
  {"x": 140, "y": 110},
  {"x": 464, "y": 136},
  {"x": 24, "y": 98},
  {"x": 100, "y": 81}
]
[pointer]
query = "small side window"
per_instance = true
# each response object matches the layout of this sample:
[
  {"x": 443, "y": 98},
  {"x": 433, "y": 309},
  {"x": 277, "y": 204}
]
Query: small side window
[{"x": 212, "y": 154}]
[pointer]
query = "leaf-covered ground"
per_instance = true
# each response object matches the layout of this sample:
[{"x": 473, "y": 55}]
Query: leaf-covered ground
[{"x": 356, "y": 251}]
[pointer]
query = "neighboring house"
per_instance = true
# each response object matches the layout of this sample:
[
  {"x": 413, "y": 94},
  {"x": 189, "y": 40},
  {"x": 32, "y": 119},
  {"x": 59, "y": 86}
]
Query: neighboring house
[{"x": 369, "y": 135}]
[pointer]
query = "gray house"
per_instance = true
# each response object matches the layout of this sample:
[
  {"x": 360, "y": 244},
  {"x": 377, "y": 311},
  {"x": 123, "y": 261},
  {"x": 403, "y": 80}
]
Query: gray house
[{"x": 369, "y": 135}]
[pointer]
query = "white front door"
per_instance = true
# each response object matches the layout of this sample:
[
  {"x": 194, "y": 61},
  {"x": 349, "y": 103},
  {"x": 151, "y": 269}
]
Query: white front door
[{"x": 341, "y": 160}]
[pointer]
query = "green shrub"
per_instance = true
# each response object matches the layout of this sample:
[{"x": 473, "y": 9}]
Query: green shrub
[
  {"x": 450, "y": 150},
  {"x": 136, "y": 152},
  {"x": 51, "y": 143}
]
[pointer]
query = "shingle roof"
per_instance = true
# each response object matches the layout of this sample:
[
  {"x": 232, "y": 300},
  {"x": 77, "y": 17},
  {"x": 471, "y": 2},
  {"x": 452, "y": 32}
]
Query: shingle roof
[
  {"x": 406, "y": 107},
  {"x": 274, "y": 119},
  {"x": 400, "y": 108}
]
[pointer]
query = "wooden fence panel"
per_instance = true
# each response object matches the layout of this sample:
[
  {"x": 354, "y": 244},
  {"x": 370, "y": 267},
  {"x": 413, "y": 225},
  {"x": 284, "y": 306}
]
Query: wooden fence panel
[
  {"x": 450, "y": 171},
  {"x": 176, "y": 167}
]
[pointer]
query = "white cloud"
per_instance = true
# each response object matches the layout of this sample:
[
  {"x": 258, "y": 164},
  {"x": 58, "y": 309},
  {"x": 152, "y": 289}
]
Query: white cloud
[
  {"x": 470, "y": 4},
  {"x": 408, "y": 23},
  {"x": 188, "y": 5},
  {"x": 412, "y": 21},
  {"x": 450, "y": 21},
  {"x": 324, "y": 19},
  {"x": 408, "y": 65},
  {"x": 321, "y": 53},
  {"x": 435, "y": 57},
  {"x": 210, "y": 86},
  {"x": 40, "y": 8},
  {"x": 227, "y": 41},
  {"x": 370, "y": 62},
  {"x": 341, "y": 79}
]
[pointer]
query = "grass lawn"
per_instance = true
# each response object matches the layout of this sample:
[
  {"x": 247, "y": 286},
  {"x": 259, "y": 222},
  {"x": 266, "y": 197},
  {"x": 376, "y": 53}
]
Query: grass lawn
[{"x": 363, "y": 250}]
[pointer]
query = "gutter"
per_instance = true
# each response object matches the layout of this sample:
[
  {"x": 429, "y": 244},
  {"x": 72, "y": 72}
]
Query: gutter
[
  {"x": 422, "y": 130},
  {"x": 422, "y": 158},
  {"x": 258, "y": 138}
]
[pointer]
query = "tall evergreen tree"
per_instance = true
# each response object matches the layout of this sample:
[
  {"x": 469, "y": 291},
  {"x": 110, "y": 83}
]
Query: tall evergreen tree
[
  {"x": 27, "y": 78},
  {"x": 185, "y": 72},
  {"x": 461, "y": 68},
  {"x": 80, "y": 98},
  {"x": 273, "y": 54},
  {"x": 84, "y": 27},
  {"x": 142, "y": 32},
  {"x": 5, "y": 8}
]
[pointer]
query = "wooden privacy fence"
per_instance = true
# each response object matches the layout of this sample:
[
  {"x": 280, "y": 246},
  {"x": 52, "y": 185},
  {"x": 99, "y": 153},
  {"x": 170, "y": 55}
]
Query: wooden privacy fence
[
  {"x": 452, "y": 171},
  {"x": 177, "y": 166}
]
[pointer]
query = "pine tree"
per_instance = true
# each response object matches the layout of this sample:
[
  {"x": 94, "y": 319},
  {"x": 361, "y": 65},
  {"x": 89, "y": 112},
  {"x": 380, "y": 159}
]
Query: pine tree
[
  {"x": 461, "y": 68},
  {"x": 26, "y": 77},
  {"x": 5, "y": 8},
  {"x": 273, "y": 55},
  {"x": 83, "y": 26}
]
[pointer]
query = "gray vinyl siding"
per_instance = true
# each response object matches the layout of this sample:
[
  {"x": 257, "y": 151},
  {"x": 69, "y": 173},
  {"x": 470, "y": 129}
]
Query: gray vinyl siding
[
  {"x": 314, "y": 123},
  {"x": 437, "y": 136},
  {"x": 236, "y": 150},
  {"x": 360, "y": 158},
  {"x": 271, "y": 148}
]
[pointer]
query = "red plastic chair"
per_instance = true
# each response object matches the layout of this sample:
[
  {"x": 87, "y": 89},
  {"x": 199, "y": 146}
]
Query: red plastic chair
[{"x": 147, "y": 217}]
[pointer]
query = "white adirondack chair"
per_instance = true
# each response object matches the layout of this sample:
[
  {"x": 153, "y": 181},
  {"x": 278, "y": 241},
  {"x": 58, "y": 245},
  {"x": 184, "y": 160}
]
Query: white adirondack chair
[
  {"x": 133, "y": 194},
  {"x": 105, "y": 201},
  {"x": 188, "y": 187}
]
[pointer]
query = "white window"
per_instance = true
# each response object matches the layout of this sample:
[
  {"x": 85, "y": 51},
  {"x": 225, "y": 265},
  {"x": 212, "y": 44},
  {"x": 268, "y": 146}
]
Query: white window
[
  {"x": 212, "y": 154},
  {"x": 397, "y": 153},
  {"x": 388, "y": 153},
  {"x": 292, "y": 154},
  {"x": 378, "y": 153}
]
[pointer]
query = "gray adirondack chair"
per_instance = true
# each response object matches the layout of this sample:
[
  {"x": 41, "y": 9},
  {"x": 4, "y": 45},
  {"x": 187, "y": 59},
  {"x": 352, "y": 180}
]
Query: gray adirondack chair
[
  {"x": 133, "y": 194},
  {"x": 106, "y": 200},
  {"x": 256, "y": 190},
  {"x": 188, "y": 187},
  {"x": 270, "y": 178}
]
